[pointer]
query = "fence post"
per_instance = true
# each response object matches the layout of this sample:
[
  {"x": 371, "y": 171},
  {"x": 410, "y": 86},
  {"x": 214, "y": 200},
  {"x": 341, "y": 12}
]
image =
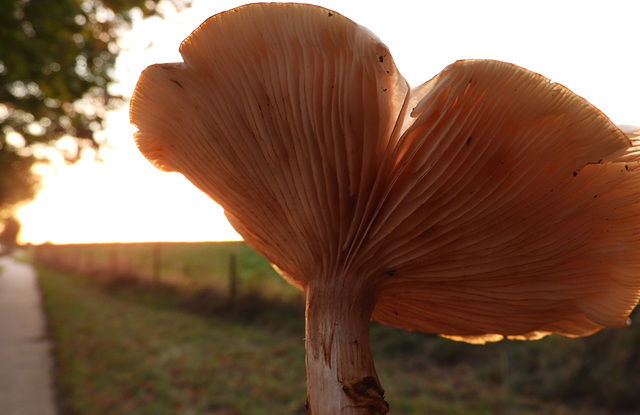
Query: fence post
[
  {"x": 113, "y": 260},
  {"x": 233, "y": 277},
  {"x": 156, "y": 262}
]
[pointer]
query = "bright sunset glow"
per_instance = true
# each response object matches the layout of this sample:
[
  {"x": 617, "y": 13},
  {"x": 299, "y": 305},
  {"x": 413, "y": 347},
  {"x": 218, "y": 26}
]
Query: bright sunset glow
[
  {"x": 123, "y": 199},
  {"x": 589, "y": 46}
]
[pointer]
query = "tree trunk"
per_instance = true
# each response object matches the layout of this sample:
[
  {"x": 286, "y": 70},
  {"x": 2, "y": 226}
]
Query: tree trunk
[{"x": 341, "y": 377}]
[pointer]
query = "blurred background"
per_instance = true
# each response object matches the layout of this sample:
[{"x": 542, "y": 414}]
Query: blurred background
[
  {"x": 207, "y": 327},
  {"x": 70, "y": 170}
]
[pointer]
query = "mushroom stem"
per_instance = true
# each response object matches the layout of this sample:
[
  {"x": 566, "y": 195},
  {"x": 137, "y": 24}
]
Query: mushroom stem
[{"x": 341, "y": 377}]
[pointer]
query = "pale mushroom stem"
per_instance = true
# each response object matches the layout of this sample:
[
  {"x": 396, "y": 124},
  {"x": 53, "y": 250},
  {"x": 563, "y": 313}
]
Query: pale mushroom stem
[{"x": 341, "y": 377}]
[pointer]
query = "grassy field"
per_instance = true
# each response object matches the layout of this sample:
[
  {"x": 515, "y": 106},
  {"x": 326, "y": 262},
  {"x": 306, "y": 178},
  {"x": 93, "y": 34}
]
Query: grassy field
[
  {"x": 134, "y": 346},
  {"x": 193, "y": 266}
]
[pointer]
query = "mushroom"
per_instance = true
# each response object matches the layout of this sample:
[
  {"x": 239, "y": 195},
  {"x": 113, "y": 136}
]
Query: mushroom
[{"x": 486, "y": 203}]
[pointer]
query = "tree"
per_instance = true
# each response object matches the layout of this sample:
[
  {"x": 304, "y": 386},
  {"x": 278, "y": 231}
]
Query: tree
[
  {"x": 9, "y": 235},
  {"x": 56, "y": 66}
]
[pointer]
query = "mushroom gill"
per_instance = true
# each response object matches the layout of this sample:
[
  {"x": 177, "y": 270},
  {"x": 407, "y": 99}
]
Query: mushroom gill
[{"x": 488, "y": 202}]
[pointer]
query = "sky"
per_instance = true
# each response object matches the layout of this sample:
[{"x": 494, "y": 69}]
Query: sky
[{"x": 591, "y": 47}]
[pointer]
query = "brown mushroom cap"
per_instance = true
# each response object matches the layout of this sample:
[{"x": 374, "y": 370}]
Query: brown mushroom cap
[{"x": 487, "y": 202}]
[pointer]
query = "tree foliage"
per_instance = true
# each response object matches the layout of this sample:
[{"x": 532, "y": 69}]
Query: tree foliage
[
  {"x": 56, "y": 64},
  {"x": 17, "y": 182},
  {"x": 9, "y": 235}
]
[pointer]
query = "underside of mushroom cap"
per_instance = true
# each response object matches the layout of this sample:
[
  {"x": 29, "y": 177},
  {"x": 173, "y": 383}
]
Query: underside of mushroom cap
[
  {"x": 487, "y": 202},
  {"x": 282, "y": 113},
  {"x": 514, "y": 211}
]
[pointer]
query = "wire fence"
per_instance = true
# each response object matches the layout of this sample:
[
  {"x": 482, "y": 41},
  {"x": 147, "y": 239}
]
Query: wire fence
[{"x": 230, "y": 267}]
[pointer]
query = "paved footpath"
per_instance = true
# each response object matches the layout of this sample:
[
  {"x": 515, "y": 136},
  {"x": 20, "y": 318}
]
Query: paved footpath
[{"x": 26, "y": 386}]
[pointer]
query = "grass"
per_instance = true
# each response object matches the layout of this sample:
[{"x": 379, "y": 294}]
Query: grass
[
  {"x": 130, "y": 346},
  {"x": 118, "y": 356},
  {"x": 197, "y": 266}
]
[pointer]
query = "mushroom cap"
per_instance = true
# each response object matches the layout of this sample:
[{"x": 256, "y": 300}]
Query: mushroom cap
[{"x": 487, "y": 202}]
